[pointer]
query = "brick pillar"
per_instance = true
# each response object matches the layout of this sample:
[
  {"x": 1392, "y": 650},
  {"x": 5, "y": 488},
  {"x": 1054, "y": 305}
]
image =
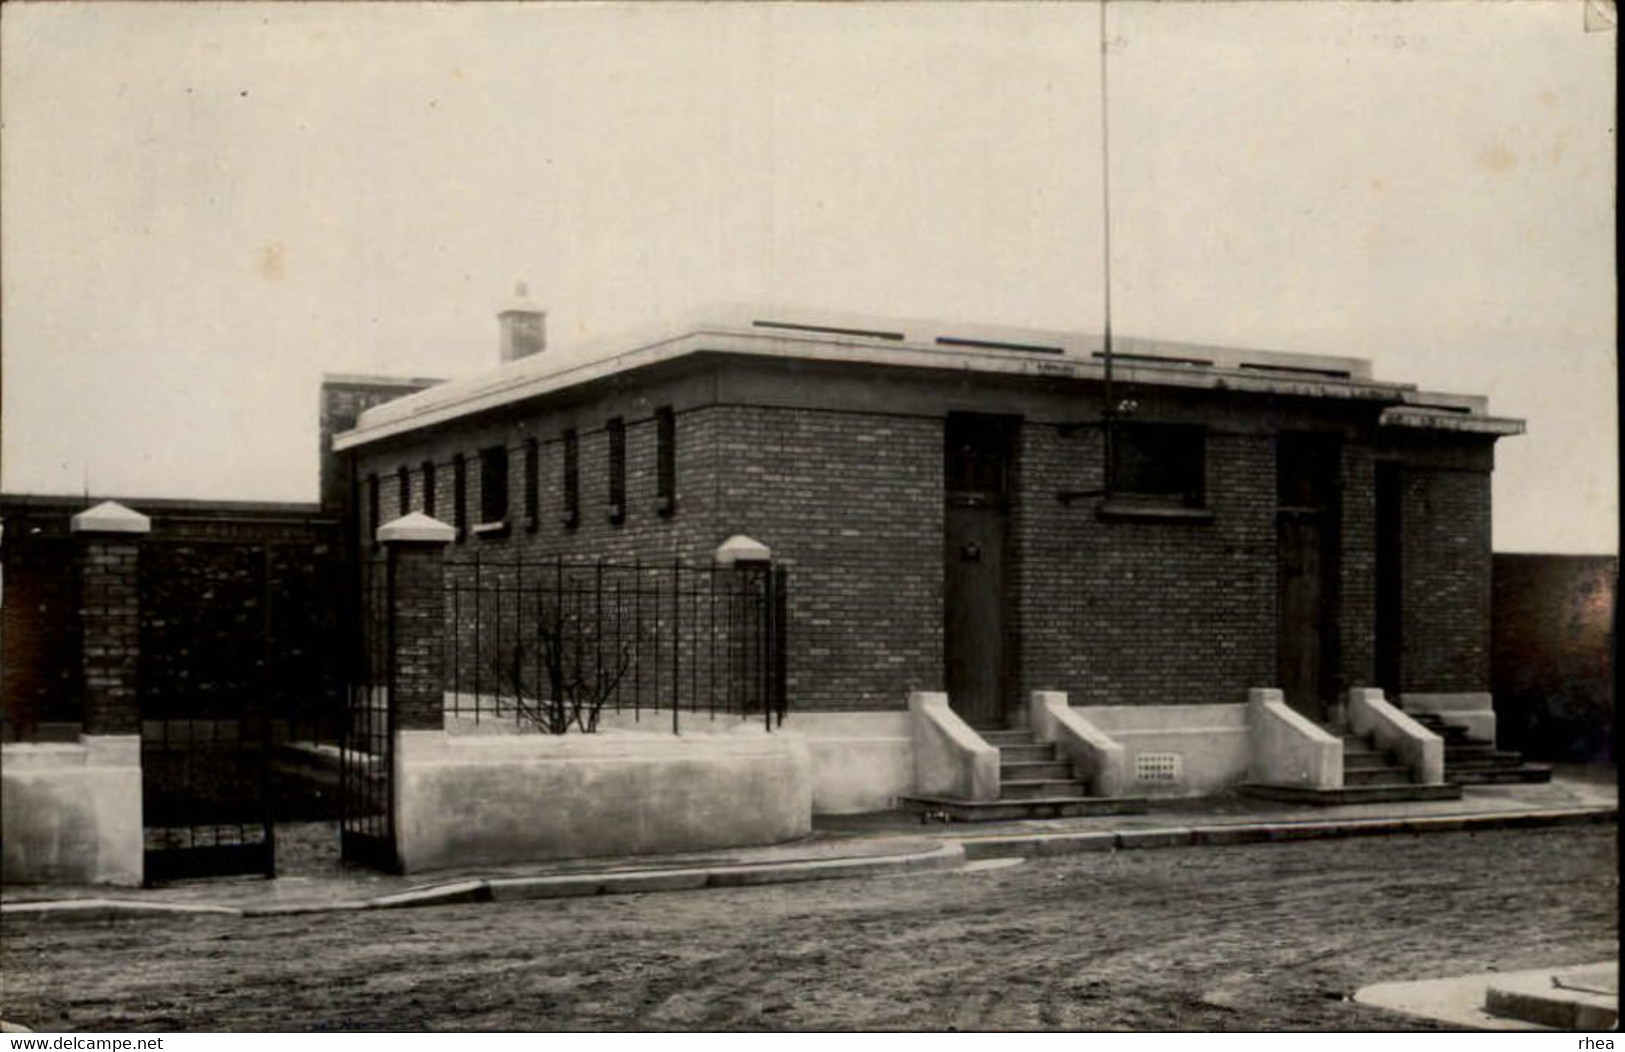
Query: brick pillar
[
  {"x": 416, "y": 546},
  {"x": 109, "y": 546}
]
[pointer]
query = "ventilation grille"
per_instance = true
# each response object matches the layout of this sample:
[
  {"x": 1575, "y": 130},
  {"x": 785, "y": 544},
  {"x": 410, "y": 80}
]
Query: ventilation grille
[{"x": 1158, "y": 767}]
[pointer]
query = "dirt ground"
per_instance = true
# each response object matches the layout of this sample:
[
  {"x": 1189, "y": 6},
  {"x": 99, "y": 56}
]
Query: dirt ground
[{"x": 1256, "y": 937}]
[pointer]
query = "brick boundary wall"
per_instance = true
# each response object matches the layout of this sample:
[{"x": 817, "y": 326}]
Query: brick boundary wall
[
  {"x": 43, "y": 599},
  {"x": 1552, "y": 660}
]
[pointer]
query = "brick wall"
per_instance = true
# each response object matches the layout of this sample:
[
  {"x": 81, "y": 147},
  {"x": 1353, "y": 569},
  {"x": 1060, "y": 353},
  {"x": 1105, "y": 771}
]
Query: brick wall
[
  {"x": 1446, "y": 563},
  {"x": 1115, "y": 612},
  {"x": 489, "y": 597},
  {"x": 1149, "y": 613},
  {"x": 852, "y": 504},
  {"x": 1357, "y": 615},
  {"x": 643, "y": 533}
]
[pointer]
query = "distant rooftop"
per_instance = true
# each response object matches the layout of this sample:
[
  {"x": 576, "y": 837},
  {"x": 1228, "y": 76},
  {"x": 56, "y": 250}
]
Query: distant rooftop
[{"x": 830, "y": 337}]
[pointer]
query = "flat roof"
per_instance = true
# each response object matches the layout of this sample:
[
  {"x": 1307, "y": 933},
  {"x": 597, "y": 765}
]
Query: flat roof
[{"x": 822, "y": 336}]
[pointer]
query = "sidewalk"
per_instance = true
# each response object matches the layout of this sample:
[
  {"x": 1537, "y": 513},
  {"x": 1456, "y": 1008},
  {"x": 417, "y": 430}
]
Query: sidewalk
[{"x": 840, "y": 846}]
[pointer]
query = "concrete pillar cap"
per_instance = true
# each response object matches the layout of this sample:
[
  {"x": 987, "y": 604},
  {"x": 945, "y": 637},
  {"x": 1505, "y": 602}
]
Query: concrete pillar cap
[
  {"x": 742, "y": 549},
  {"x": 110, "y": 517},
  {"x": 416, "y": 527}
]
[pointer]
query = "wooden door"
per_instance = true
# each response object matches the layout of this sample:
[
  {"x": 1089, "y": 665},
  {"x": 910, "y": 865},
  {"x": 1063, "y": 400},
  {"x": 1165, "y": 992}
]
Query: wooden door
[
  {"x": 1302, "y": 615},
  {"x": 974, "y": 629},
  {"x": 1308, "y": 515},
  {"x": 977, "y": 461}
]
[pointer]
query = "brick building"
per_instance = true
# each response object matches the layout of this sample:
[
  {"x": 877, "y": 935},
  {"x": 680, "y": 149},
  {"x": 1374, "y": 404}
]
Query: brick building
[
  {"x": 956, "y": 515},
  {"x": 990, "y": 596}
]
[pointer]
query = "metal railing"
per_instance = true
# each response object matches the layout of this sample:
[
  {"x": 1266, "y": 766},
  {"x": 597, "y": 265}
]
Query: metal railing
[{"x": 552, "y": 645}]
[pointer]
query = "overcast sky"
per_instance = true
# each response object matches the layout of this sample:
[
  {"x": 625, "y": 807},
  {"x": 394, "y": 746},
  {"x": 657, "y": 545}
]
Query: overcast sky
[{"x": 206, "y": 207}]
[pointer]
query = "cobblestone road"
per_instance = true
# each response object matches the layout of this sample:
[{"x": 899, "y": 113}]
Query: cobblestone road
[{"x": 1258, "y": 937}]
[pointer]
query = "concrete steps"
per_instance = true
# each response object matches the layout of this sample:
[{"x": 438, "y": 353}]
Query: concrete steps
[
  {"x": 1034, "y": 782},
  {"x": 1473, "y": 761},
  {"x": 1365, "y": 765},
  {"x": 1030, "y": 770},
  {"x": 1370, "y": 776}
]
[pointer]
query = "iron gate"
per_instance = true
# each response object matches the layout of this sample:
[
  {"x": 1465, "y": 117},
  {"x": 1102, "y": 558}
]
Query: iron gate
[
  {"x": 206, "y": 701},
  {"x": 235, "y": 663},
  {"x": 367, "y": 742}
]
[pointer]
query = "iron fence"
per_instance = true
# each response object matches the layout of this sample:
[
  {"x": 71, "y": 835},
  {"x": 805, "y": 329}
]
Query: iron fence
[{"x": 552, "y": 645}]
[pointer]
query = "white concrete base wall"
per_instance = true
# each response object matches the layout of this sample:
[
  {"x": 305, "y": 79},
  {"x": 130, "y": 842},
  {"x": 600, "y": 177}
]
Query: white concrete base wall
[
  {"x": 70, "y": 813},
  {"x": 861, "y": 761},
  {"x": 1211, "y": 742},
  {"x": 494, "y": 798}
]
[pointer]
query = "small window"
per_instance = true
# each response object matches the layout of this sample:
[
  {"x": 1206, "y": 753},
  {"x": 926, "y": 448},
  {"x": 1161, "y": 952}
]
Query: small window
[
  {"x": 533, "y": 499},
  {"x": 570, "y": 465},
  {"x": 616, "y": 430},
  {"x": 1164, "y": 460},
  {"x": 977, "y": 453},
  {"x": 493, "y": 485},
  {"x": 372, "y": 508},
  {"x": 665, "y": 461},
  {"x": 1306, "y": 471},
  {"x": 459, "y": 495},
  {"x": 428, "y": 488},
  {"x": 403, "y": 485}
]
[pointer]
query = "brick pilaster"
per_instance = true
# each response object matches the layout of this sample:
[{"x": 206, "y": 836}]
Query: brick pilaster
[
  {"x": 108, "y": 553},
  {"x": 416, "y": 547}
]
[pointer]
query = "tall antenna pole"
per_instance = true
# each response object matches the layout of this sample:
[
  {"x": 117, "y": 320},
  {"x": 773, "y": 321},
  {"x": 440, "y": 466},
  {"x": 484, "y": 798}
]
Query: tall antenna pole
[{"x": 1110, "y": 409}]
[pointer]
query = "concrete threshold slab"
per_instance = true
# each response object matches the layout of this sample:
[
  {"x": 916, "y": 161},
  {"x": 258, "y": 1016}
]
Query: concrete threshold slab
[
  {"x": 1469, "y": 1001},
  {"x": 1583, "y": 998}
]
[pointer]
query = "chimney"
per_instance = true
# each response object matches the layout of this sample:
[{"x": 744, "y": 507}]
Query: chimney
[{"x": 524, "y": 327}]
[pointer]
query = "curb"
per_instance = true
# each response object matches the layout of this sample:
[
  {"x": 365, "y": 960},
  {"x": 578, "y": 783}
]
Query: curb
[
  {"x": 103, "y": 909},
  {"x": 952, "y": 853},
  {"x": 1047, "y": 844}
]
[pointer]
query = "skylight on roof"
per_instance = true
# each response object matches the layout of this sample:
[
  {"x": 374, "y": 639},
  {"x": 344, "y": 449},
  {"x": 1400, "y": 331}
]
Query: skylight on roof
[{"x": 830, "y": 329}]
